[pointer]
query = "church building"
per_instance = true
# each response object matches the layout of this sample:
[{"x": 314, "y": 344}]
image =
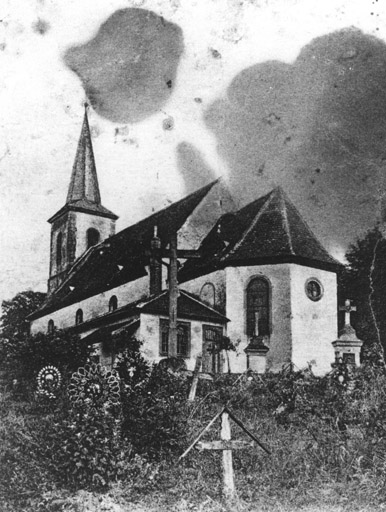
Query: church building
[{"x": 259, "y": 277}]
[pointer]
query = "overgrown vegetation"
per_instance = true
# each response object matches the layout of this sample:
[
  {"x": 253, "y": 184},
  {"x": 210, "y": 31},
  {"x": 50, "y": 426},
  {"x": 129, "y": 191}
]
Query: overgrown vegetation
[
  {"x": 326, "y": 435},
  {"x": 364, "y": 281},
  {"x": 327, "y": 440}
]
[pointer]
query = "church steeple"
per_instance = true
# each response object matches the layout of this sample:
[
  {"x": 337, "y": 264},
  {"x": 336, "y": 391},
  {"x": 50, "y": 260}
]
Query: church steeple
[
  {"x": 84, "y": 181},
  {"x": 82, "y": 222}
]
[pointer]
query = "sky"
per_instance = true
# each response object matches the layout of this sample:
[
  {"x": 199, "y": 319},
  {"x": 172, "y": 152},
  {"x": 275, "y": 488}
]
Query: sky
[{"x": 260, "y": 92}]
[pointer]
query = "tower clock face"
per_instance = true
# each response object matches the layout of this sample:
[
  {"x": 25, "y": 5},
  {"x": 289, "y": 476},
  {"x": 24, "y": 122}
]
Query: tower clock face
[{"x": 314, "y": 289}]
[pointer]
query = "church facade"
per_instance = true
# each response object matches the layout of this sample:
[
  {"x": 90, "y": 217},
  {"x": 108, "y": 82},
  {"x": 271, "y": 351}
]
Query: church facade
[{"x": 259, "y": 276}]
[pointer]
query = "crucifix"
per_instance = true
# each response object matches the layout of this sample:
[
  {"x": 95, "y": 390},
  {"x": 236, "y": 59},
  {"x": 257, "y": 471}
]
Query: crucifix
[
  {"x": 347, "y": 308},
  {"x": 256, "y": 323}
]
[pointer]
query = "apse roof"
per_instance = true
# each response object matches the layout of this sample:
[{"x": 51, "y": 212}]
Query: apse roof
[{"x": 267, "y": 231}]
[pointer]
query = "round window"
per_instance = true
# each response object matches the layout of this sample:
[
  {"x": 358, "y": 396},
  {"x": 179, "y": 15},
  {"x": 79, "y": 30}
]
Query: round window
[{"x": 314, "y": 289}]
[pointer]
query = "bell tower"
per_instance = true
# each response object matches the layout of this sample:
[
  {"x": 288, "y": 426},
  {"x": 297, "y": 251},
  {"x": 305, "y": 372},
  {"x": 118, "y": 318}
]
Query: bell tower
[{"x": 82, "y": 222}]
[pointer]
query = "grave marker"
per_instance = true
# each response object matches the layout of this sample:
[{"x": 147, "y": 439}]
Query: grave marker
[{"x": 226, "y": 444}]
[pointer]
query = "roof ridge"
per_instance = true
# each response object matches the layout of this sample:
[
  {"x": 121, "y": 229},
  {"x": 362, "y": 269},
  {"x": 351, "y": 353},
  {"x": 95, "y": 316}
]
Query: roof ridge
[
  {"x": 185, "y": 198},
  {"x": 287, "y": 226},
  {"x": 251, "y": 225},
  {"x": 312, "y": 234}
]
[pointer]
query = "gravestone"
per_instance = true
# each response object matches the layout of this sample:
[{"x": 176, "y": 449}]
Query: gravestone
[{"x": 348, "y": 347}]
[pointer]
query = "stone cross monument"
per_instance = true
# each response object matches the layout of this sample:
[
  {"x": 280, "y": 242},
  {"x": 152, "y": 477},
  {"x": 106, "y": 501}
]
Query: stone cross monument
[{"x": 348, "y": 347}]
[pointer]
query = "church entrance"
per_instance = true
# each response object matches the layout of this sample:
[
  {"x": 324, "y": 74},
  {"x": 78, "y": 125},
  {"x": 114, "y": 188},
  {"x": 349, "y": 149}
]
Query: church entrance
[{"x": 211, "y": 356}]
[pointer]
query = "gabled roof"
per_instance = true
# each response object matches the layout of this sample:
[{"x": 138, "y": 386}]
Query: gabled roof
[
  {"x": 127, "y": 318},
  {"x": 267, "y": 231},
  {"x": 188, "y": 306},
  {"x": 122, "y": 257},
  {"x": 83, "y": 192}
]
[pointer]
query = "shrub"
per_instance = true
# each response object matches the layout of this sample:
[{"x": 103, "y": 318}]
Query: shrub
[
  {"x": 87, "y": 449},
  {"x": 29, "y": 354},
  {"x": 155, "y": 414}
]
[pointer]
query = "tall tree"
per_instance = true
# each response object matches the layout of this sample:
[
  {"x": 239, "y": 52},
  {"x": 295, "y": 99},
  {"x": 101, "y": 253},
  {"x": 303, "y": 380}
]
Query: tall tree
[
  {"x": 364, "y": 281},
  {"x": 13, "y": 323}
]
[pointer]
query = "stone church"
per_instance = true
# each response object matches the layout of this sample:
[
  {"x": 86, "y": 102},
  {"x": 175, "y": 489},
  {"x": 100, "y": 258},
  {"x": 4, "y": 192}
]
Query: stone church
[{"x": 259, "y": 276}]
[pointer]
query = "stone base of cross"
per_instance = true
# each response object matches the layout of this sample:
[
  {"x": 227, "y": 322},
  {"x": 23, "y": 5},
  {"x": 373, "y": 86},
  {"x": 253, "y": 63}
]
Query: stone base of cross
[{"x": 347, "y": 347}]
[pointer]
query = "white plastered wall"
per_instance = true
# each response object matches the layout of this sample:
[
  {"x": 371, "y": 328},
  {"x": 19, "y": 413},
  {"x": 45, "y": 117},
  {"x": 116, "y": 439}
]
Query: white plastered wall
[
  {"x": 237, "y": 279},
  {"x": 93, "y": 307},
  {"x": 149, "y": 333},
  {"x": 217, "y": 278},
  {"x": 85, "y": 221},
  {"x": 314, "y": 323}
]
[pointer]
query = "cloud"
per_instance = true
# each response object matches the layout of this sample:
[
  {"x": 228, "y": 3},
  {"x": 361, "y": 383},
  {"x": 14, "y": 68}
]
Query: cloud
[
  {"x": 128, "y": 69},
  {"x": 317, "y": 127}
]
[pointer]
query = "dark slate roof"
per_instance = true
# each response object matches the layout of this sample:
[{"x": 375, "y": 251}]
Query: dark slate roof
[
  {"x": 122, "y": 257},
  {"x": 83, "y": 192},
  {"x": 267, "y": 231},
  {"x": 127, "y": 317}
]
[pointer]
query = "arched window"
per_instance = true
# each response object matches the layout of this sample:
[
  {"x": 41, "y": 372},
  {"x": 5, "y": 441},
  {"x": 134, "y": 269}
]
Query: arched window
[
  {"x": 50, "y": 326},
  {"x": 113, "y": 303},
  {"x": 258, "y": 307},
  {"x": 92, "y": 237},
  {"x": 208, "y": 294},
  {"x": 79, "y": 317},
  {"x": 59, "y": 245}
]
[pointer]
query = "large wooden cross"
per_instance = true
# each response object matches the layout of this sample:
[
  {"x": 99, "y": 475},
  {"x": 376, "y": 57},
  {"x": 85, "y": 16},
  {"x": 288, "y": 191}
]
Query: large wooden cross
[
  {"x": 173, "y": 253},
  {"x": 347, "y": 308},
  {"x": 226, "y": 444}
]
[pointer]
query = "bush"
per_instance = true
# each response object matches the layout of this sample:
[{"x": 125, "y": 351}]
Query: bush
[
  {"x": 87, "y": 449},
  {"x": 155, "y": 414},
  {"x": 29, "y": 354}
]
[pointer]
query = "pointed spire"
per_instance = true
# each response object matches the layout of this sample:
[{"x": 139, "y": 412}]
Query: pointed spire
[{"x": 84, "y": 180}]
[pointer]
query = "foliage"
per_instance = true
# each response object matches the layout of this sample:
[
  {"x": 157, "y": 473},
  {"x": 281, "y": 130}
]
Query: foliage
[
  {"x": 364, "y": 281},
  {"x": 326, "y": 436},
  {"x": 86, "y": 449},
  {"x": 29, "y": 354},
  {"x": 155, "y": 414},
  {"x": 14, "y": 323}
]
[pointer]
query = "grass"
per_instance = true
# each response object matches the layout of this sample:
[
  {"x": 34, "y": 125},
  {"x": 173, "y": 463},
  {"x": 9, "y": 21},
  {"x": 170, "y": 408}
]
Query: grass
[{"x": 328, "y": 452}]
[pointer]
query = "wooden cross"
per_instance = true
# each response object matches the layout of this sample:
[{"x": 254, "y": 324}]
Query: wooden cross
[
  {"x": 227, "y": 445},
  {"x": 196, "y": 376},
  {"x": 173, "y": 253},
  {"x": 347, "y": 308}
]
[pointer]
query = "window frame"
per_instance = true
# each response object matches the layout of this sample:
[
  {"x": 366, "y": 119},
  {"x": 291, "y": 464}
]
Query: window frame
[
  {"x": 318, "y": 283},
  {"x": 208, "y": 283},
  {"x": 90, "y": 233},
  {"x": 59, "y": 250},
  {"x": 79, "y": 316},
  {"x": 267, "y": 282},
  {"x": 164, "y": 343},
  {"x": 113, "y": 303},
  {"x": 50, "y": 326}
]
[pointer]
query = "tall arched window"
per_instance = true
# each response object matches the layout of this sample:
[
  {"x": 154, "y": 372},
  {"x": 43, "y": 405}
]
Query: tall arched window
[
  {"x": 50, "y": 326},
  {"x": 208, "y": 294},
  {"x": 92, "y": 237},
  {"x": 59, "y": 245},
  {"x": 113, "y": 303},
  {"x": 258, "y": 307},
  {"x": 79, "y": 317}
]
